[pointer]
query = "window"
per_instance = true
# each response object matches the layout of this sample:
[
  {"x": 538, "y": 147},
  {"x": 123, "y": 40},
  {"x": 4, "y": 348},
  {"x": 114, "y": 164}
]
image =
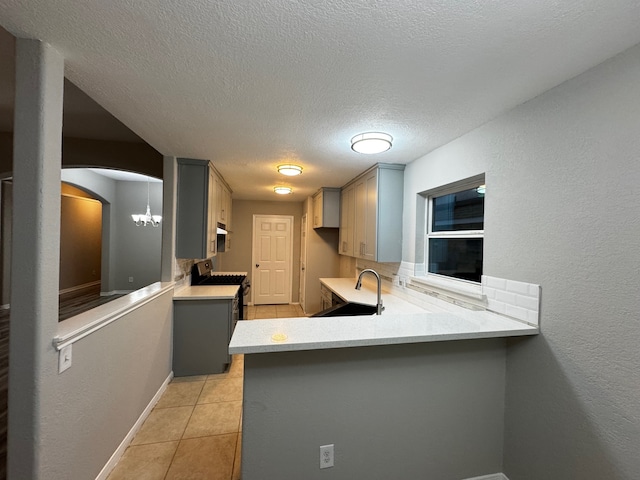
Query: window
[{"x": 455, "y": 231}]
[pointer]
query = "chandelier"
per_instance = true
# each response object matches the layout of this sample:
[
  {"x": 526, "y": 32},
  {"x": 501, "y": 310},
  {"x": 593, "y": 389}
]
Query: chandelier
[{"x": 146, "y": 218}]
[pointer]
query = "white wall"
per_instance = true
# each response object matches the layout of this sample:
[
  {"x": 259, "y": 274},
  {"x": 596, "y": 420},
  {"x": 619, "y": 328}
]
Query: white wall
[{"x": 562, "y": 211}]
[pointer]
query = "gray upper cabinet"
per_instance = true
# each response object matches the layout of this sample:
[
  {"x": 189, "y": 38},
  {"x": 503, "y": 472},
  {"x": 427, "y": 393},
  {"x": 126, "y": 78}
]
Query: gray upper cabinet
[
  {"x": 196, "y": 209},
  {"x": 347, "y": 220},
  {"x": 371, "y": 214},
  {"x": 326, "y": 208}
]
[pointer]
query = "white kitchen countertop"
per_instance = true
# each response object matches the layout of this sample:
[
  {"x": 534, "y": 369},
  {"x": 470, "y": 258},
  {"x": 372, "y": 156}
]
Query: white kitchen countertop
[
  {"x": 316, "y": 333},
  {"x": 346, "y": 289},
  {"x": 206, "y": 292},
  {"x": 400, "y": 322}
]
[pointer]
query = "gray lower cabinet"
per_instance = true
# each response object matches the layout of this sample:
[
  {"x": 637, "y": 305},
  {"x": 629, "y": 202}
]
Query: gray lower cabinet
[{"x": 201, "y": 333}]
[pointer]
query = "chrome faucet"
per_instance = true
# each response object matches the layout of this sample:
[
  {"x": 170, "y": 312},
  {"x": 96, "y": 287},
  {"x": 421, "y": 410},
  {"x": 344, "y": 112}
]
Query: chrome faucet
[{"x": 359, "y": 285}]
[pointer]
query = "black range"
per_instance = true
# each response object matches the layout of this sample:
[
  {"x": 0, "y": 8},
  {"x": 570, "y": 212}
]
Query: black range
[{"x": 202, "y": 274}]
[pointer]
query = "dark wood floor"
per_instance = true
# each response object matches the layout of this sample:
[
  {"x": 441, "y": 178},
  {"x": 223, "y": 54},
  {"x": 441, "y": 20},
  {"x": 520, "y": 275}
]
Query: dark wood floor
[
  {"x": 69, "y": 305},
  {"x": 73, "y": 305}
]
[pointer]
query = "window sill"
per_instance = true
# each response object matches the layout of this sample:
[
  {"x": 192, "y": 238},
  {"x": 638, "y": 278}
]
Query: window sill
[{"x": 465, "y": 294}]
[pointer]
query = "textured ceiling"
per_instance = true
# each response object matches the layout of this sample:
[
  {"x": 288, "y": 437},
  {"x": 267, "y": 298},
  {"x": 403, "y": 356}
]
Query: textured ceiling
[{"x": 250, "y": 84}]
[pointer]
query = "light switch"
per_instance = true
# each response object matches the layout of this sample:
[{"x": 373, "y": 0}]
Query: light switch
[{"x": 64, "y": 358}]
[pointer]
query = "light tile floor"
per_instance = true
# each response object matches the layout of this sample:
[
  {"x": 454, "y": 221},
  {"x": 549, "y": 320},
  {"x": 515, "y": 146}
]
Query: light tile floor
[
  {"x": 274, "y": 311},
  {"x": 195, "y": 430}
]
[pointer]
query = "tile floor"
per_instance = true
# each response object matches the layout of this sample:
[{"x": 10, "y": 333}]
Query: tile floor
[{"x": 195, "y": 430}]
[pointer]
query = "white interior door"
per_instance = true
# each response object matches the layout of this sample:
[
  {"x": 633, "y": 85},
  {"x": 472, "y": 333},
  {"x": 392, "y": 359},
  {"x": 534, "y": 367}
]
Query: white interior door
[
  {"x": 272, "y": 259},
  {"x": 303, "y": 262}
]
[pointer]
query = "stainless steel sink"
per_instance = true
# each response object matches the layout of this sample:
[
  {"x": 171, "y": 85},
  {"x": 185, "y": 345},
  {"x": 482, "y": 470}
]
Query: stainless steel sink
[{"x": 348, "y": 309}]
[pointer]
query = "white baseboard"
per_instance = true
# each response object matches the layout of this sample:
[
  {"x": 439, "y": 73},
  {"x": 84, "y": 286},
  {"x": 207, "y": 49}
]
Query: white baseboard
[
  {"x": 110, "y": 465},
  {"x": 5, "y": 306},
  {"x": 493, "y": 476},
  {"x": 115, "y": 292},
  {"x": 79, "y": 287}
]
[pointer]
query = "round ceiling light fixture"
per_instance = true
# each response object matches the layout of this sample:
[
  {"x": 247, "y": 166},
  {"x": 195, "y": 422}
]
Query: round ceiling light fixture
[
  {"x": 283, "y": 190},
  {"x": 371, "y": 142},
  {"x": 290, "y": 170}
]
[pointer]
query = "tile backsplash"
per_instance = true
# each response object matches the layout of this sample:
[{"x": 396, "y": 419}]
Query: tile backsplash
[
  {"x": 519, "y": 300},
  {"x": 182, "y": 268}
]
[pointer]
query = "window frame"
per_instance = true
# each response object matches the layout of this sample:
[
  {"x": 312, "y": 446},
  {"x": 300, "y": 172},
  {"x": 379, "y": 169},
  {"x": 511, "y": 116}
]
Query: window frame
[{"x": 466, "y": 184}]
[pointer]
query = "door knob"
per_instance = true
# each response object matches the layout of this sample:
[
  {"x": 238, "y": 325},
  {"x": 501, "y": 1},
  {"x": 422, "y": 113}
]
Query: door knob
[{"x": 257, "y": 265}]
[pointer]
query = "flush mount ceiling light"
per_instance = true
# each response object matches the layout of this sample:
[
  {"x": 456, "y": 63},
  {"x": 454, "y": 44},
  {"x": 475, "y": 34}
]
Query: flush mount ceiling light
[
  {"x": 283, "y": 190},
  {"x": 290, "y": 170},
  {"x": 372, "y": 142},
  {"x": 145, "y": 219}
]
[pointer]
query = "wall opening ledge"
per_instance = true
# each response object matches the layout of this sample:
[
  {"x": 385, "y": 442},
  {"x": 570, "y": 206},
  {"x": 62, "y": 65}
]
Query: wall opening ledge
[{"x": 75, "y": 328}]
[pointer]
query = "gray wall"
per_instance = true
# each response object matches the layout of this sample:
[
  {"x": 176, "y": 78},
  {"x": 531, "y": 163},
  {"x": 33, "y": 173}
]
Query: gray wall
[
  {"x": 562, "y": 205},
  {"x": 6, "y": 208},
  {"x": 129, "y": 251},
  {"x": 65, "y": 425},
  {"x": 138, "y": 249},
  {"x": 419, "y": 411},
  {"x": 89, "y": 409},
  {"x": 323, "y": 260},
  {"x": 238, "y": 258}
]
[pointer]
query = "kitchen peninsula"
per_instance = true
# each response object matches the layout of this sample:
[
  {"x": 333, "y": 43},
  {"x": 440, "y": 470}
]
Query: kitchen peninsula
[{"x": 418, "y": 393}]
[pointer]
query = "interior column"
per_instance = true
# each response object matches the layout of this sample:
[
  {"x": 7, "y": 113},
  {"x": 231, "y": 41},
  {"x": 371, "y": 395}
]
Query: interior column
[
  {"x": 169, "y": 187},
  {"x": 36, "y": 250}
]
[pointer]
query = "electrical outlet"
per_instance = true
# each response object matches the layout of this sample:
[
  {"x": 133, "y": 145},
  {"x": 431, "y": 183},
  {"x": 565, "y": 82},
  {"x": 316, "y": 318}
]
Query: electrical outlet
[
  {"x": 130, "y": 279},
  {"x": 64, "y": 358},
  {"x": 326, "y": 456}
]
